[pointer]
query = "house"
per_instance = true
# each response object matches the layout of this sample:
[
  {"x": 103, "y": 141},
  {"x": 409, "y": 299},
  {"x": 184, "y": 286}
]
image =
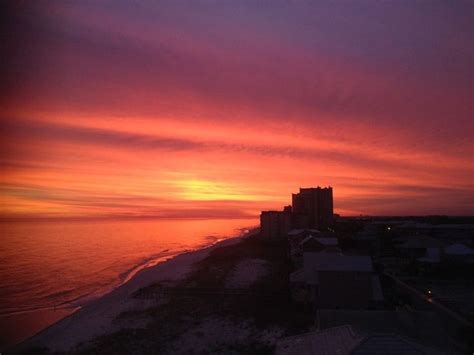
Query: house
[
  {"x": 309, "y": 244},
  {"x": 387, "y": 344},
  {"x": 343, "y": 341},
  {"x": 329, "y": 243},
  {"x": 458, "y": 254},
  {"x": 337, "y": 340},
  {"x": 298, "y": 237},
  {"x": 332, "y": 280},
  {"x": 419, "y": 246},
  {"x": 431, "y": 261},
  {"x": 295, "y": 236},
  {"x": 447, "y": 232},
  {"x": 308, "y": 240}
]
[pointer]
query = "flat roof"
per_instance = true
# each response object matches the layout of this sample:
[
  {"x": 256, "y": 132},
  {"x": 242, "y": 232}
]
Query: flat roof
[
  {"x": 343, "y": 341},
  {"x": 327, "y": 241},
  {"x": 336, "y": 262},
  {"x": 459, "y": 249},
  {"x": 337, "y": 340},
  {"x": 387, "y": 344},
  {"x": 299, "y": 231},
  {"x": 297, "y": 276},
  {"x": 415, "y": 242}
]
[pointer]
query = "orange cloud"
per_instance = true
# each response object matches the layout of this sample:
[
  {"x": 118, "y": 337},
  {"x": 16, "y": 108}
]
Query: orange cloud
[{"x": 109, "y": 112}]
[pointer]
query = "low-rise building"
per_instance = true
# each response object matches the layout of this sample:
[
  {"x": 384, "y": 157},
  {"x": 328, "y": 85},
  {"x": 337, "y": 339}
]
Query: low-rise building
[
  {"x": 338, "y": 340},
  {"x": 343, "y": 340},
  {"x": 459, "y": 254},
  {"x": 301, "y": 241},
  {"x": 416, "y": 247},
  {"x": 332, "y": 280},
  {"x": 328, "y": 242}
]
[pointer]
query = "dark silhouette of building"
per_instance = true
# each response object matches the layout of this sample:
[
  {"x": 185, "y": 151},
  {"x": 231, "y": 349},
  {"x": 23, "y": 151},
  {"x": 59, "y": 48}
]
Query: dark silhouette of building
[
  {"x": 332, "y": 280},
  {"x": 313, "y": 208},
  {"x": 276, "y": 224}
]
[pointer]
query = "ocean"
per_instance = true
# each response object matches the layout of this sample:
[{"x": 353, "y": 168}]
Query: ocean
[{"x": 51, "y": 265}]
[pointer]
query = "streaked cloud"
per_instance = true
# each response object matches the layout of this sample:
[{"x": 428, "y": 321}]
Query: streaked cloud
[{"x": 119, "y": 108}]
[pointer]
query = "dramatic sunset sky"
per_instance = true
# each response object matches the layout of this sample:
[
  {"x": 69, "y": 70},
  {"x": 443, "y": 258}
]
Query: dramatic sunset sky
[{"x": 221, "y": 109}]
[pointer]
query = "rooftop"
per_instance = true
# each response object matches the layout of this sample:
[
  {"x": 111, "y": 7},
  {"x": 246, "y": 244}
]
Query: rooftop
[
  {"x": 387, "y": 344},
  {"x": 342, "y": 340},
  {"x": 332, "y": 341},
  {"x": 294, "y": 232},
  {"x": 297, "y": 276},
  {"x": 327, "y": 241},
  {"x": 459, "y": 249},
  {"x": 336, "y": 262},
  {"x": 416, "y": 242}
]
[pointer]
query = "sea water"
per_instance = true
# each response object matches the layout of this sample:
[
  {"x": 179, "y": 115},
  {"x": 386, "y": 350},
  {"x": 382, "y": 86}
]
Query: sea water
[{"x": 63, "y": 264}]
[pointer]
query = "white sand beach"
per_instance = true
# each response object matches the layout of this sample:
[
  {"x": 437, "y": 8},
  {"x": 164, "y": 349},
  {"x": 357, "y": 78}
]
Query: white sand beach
[{"x": 95, "y": 318}]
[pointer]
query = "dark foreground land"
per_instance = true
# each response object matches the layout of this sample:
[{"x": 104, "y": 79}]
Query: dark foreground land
[
  {"x": 204, "y": 314},
  {"x": 237, "y": 301}
]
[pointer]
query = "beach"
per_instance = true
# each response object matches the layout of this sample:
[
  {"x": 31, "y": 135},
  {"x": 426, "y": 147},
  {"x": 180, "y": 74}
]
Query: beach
[
  {"x": 231, "y": 297},
  {"x": 96, "y": 317},
  {"x": 51, "y": 269}
]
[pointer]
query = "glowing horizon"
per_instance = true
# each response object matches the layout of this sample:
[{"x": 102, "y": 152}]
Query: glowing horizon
[{"x": 220, "y": 110}]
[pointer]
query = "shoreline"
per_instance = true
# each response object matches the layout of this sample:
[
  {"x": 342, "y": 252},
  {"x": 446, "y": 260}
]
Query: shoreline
[
  {"x": 83, "y": 299},
  {"x": 94, "y": 318}
]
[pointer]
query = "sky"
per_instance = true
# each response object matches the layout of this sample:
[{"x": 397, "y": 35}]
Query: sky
[{"x": 200, "y": 109}]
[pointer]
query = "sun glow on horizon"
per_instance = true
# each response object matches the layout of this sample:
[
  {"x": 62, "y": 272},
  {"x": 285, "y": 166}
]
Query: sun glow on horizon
[
  {"x": 114, "y": 112},
  {"x": 202, "y": 190}
]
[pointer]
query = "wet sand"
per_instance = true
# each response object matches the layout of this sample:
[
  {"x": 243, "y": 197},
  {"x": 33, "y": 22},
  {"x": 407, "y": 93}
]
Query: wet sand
[{"x": 95, "y": 318}]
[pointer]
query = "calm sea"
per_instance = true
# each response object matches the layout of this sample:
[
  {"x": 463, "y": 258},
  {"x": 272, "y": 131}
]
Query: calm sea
[{"x": 56, "y": 264}]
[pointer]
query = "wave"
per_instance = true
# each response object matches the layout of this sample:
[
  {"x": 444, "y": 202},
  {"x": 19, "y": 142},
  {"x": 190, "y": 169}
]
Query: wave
[
  {"x": 81, "y": 298},
  {"x": 56, "y": 300},
  {"x": 146, "y": 263}
]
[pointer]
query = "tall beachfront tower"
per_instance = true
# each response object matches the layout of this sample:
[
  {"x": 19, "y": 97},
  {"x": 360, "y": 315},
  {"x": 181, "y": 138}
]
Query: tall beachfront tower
[{"x": 313, "y": 208}]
